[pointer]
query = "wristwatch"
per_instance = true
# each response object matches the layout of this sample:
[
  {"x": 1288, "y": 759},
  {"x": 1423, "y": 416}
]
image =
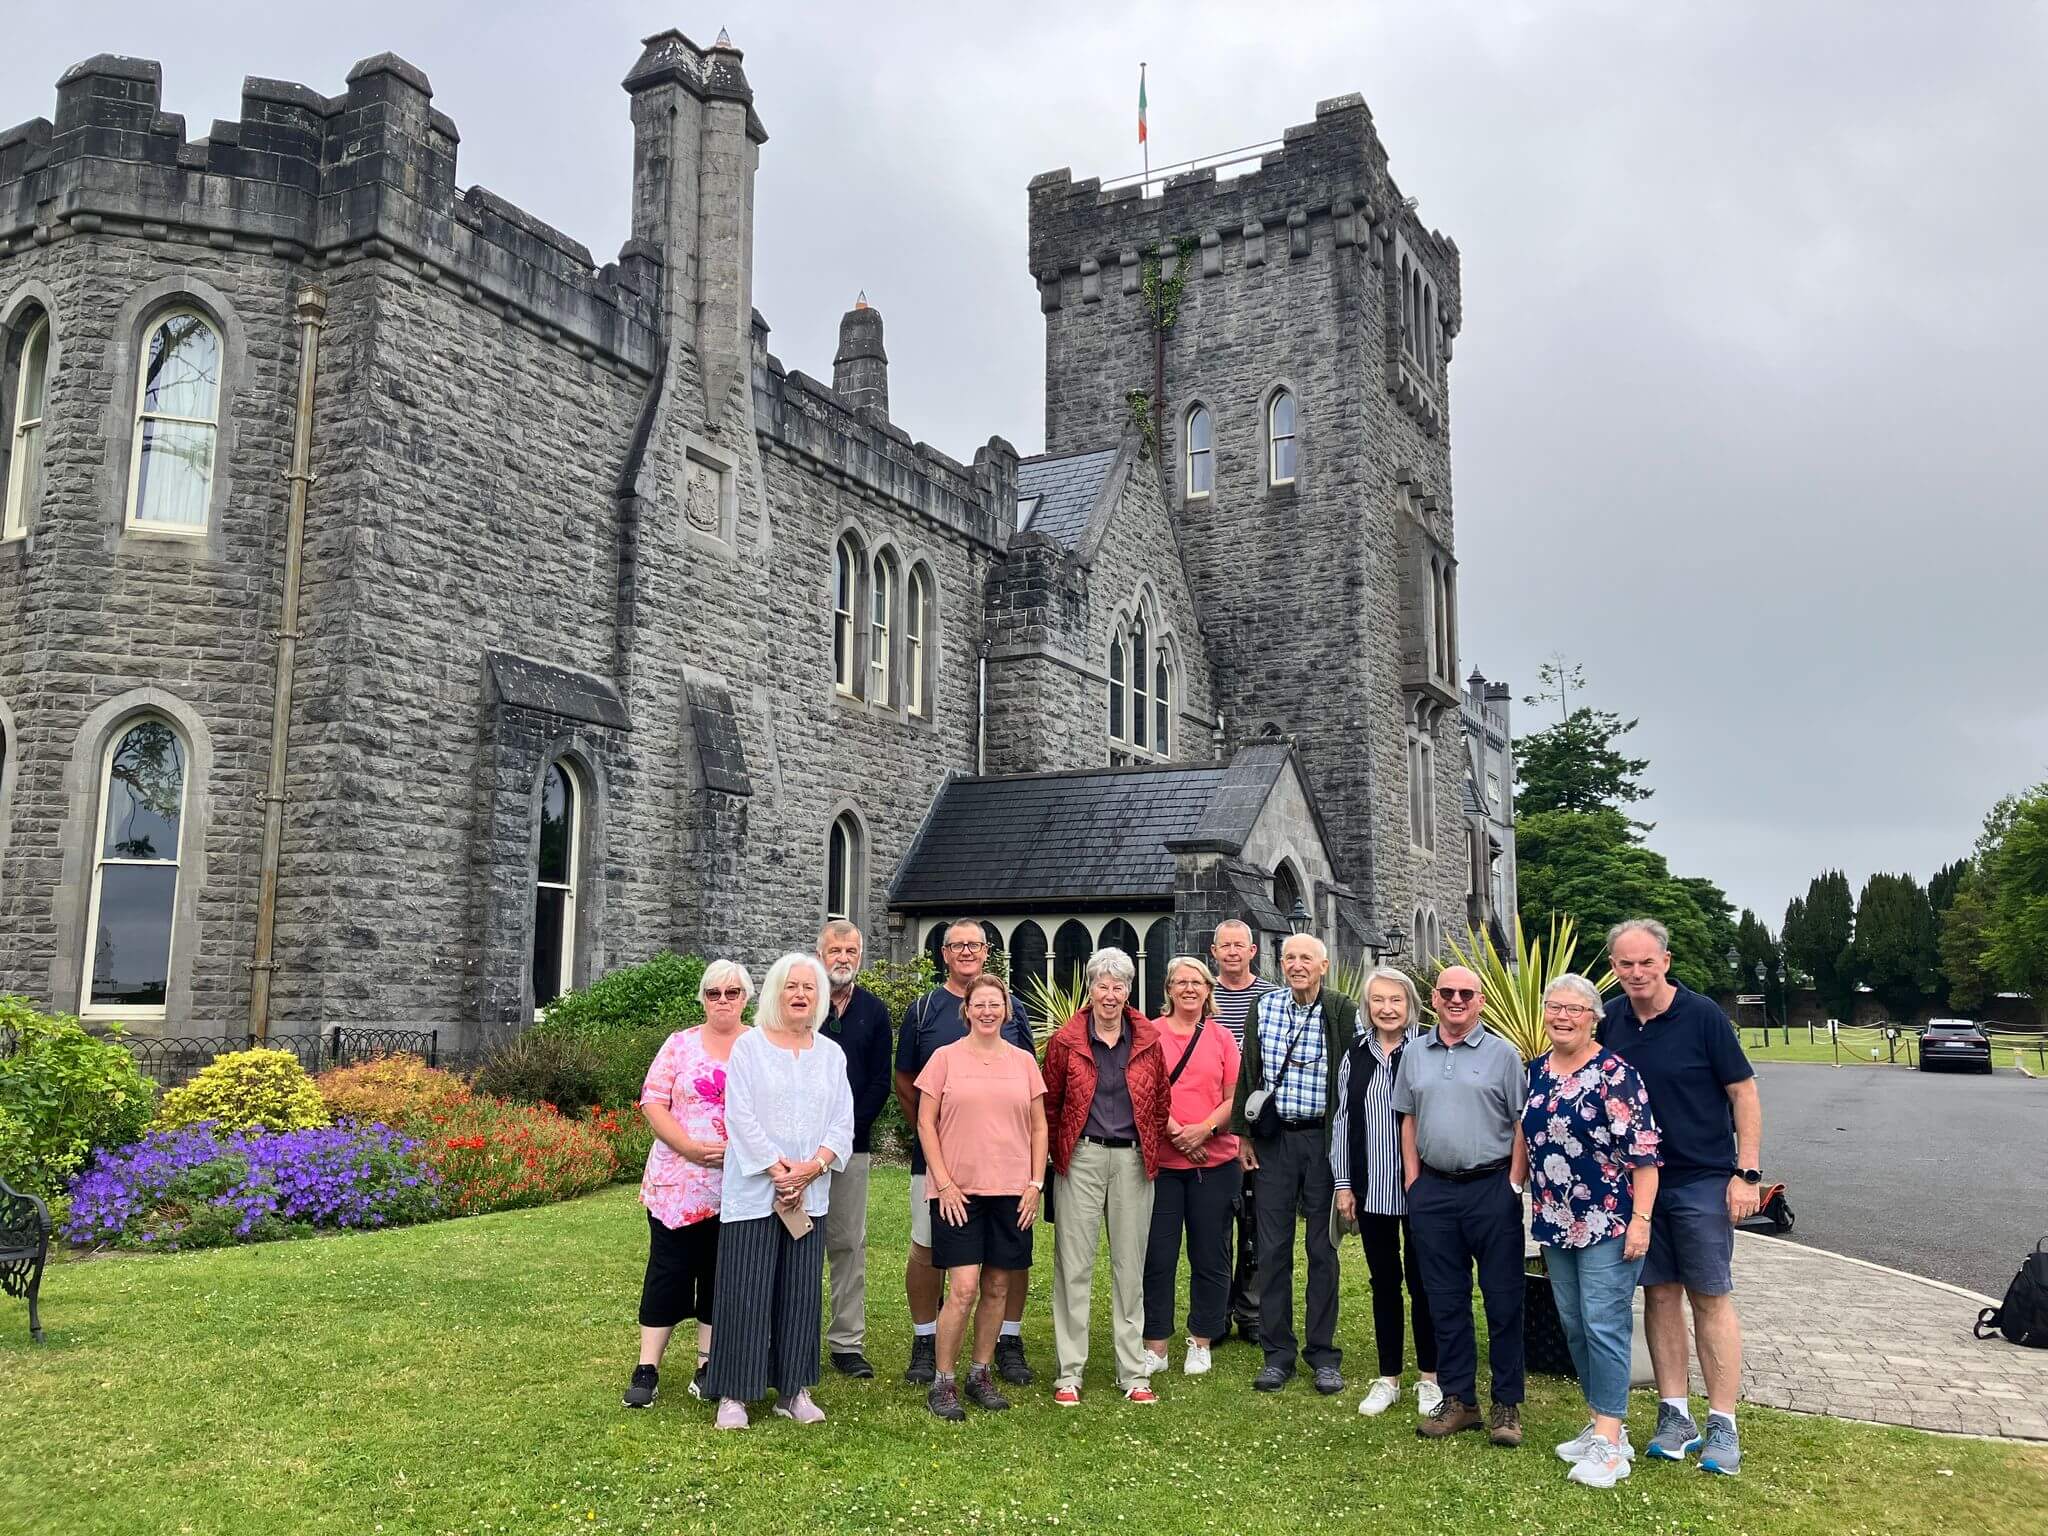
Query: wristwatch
[
  {"x": 1034, "y": 1184},
  {"x": 1750, "y": 1175}
]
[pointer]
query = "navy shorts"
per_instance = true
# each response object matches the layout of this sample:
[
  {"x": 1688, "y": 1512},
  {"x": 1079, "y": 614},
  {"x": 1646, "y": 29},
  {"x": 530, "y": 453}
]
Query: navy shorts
[
  {"x": 988, "y": 1237},
  {"x": 1692, "y": 1242}
]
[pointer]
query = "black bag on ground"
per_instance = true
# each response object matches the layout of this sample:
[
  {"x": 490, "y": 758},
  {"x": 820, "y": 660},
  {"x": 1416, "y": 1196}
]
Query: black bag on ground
[{"x": 2024, "y": 1317}]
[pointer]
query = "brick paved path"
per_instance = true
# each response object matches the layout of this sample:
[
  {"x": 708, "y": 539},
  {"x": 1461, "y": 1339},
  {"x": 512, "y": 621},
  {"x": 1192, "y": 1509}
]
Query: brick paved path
[{"x": 1824, "y": 1334}]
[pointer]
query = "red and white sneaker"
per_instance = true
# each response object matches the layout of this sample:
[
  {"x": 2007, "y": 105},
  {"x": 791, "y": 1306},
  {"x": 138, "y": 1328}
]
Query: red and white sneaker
[
  {"x": 1141, "y": 1393},
  {"x": 1066, "y": 1397}
]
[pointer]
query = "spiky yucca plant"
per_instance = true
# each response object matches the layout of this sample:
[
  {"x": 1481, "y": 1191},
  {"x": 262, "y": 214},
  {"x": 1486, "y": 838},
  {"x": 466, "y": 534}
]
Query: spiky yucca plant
[
  {"x": 1514, "y": 988},
  {"x": 1051, "y": 1005}
]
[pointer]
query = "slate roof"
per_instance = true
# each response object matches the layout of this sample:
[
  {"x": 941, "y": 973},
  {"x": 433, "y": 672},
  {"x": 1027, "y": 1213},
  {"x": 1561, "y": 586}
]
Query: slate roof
[
  {"x": 1097, "y": 834},
  {"x": 1066, "y": 489}
]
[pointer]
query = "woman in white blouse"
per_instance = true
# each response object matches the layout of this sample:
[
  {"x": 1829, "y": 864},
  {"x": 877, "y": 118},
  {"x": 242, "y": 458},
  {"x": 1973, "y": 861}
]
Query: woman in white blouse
[{"x": 788, "y": 1124}]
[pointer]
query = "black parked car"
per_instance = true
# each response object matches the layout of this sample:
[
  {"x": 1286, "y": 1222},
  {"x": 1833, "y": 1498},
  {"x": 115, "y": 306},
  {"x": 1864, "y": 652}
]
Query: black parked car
[{"x": 1954, "y": 1043}]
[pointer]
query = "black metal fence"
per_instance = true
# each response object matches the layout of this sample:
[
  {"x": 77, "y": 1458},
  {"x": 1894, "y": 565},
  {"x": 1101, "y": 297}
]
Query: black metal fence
[{"x": 172, "y": 1062}]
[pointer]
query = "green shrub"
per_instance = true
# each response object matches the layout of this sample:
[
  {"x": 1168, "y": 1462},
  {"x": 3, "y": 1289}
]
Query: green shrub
[
  {"x": 246, "y": 1089},
  {"x": 62, "y": 1095},
  {"x": 537, "y": 1068},
  {"x": 662, "y": 991},
  {"x": 625, "y": 1058},
  {"x": 388, "y": 1089},
  {"x": 899, "y": 983}
]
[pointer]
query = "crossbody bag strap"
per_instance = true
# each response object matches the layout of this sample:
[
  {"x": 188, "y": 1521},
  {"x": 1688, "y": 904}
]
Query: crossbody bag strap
[{"x": 1187, "y": 1055}]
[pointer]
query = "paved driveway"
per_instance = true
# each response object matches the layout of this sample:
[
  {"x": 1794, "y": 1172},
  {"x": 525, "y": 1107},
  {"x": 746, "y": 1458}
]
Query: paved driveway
[{"x": 1940, "y": 1174}]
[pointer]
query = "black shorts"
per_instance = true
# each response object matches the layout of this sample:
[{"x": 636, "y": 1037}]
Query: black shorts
[
  {"x": 681, "y": 1264},
  {"x": 989, "y": 1237}
]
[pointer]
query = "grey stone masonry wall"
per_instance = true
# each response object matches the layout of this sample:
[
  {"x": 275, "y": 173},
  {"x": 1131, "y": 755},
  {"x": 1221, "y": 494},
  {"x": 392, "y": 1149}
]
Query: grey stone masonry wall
[{"x": 1298, "y": 588}]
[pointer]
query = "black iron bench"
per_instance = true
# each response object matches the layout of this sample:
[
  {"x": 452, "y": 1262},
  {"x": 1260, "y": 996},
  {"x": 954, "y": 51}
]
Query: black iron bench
[{"x": 24, "y": 1246}]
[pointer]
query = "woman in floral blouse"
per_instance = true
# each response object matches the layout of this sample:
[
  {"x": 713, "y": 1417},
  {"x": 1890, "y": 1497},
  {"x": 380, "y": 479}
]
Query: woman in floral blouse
[
  {"x": 1593, "y": 1163},
  {"x": 684, "y": 1101}
]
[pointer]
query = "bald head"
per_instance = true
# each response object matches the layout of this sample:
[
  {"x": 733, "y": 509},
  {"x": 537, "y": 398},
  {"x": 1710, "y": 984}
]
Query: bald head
[{"x": 1459, "y": 997}]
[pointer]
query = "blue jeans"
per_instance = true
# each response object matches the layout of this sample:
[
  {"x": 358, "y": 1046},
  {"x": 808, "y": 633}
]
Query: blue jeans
[{"x": 1593, "y": 1288}]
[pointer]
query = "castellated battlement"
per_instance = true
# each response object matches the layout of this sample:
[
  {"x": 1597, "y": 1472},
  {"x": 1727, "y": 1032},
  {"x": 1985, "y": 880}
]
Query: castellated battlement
[
  {"x": 324, "y": 180},
  {"x": 1330, "y": 172}
]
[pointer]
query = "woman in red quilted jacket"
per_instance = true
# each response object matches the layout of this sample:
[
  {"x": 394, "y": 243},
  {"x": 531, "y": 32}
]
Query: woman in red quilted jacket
[{"x": 1105, "y": 1101}]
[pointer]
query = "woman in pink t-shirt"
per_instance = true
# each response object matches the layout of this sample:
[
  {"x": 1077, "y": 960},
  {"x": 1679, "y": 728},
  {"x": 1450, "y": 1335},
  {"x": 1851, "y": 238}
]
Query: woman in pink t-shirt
[
  {"x": 684, "y": 1102},
  {"x": 981, "y": 1119},
  {"x": 1198, "y": 1177}
]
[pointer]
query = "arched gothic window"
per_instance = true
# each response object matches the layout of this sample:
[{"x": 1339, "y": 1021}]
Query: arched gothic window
[
  {"x": 1162, "y": 705},
  {"x": 177, "y": 414},
  {"x": 843, "y": 867},
  {"x": 1201, "y": 453},
  {"x": 1280, "y": 439},
  {"x": 557, "y": 878},
  {"x": 25, "y": 435},
  {"x": 1143, "y": 684},
  {"x": 846, "y": 566},
  {"x": 881, "y": 629},
  {"x": 136, "y": 856},
  {"x": 1141, "y": 692},
  {"x": 917, "y": 643}
]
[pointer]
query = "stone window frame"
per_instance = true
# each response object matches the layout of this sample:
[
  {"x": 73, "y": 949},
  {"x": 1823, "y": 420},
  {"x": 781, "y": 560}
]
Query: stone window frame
[
  {"x": 1124, "y": 669},
  {"x": 1421, "y": 790},
  {"x": 28, "y": 318},
  {"x": 139, "y": 417},
  {"x": 920, "y": 641},
  {"x": 575, "y": 750},
  {"x": 1188, "y": 451},
  {"x": 1419, "y": 331},
  {"x": 1270, "y": 439},
  {"x": 850, "y": 827},
  {"x": 1426, "y": 933},
  {"x": 884, "y": 626},
  {"x": 124, "y": 359},
  {"x": 572, "y": 887},
  {"x": 83, "y": 783},
  {"x": 849, "y": 566}
]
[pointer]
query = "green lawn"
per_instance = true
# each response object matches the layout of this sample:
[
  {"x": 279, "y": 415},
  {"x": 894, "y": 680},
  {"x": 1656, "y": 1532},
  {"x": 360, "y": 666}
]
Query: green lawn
[
  {"x": 464, "y": 1377},
  {"x": 1858, "y": 1044}
]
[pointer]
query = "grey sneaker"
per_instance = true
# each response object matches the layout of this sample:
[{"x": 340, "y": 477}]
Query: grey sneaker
[
  {"x": 980, "y": 1389},
  {"x": 1677, "y": 1436},
  {"x": 1575, "y": 1449},
  {"x": 1723, "y": 1450},
  {"x": 944, "y": 1400},
  {"x": 1329, "y": 1380}
]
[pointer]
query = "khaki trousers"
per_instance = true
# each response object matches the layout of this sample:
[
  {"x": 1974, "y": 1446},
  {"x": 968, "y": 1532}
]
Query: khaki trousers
[
  {"x": 846, "y": 1251},
  {"x": 1101, "y": 1185}
]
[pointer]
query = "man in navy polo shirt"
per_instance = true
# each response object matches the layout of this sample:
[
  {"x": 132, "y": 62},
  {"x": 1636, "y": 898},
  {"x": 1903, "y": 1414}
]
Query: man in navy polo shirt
[{"x": 1703, "y": 1091}]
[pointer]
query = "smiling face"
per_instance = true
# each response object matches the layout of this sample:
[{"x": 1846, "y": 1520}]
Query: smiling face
[
  {"x": 1303, "y": 962},
  {"x": 1570, "y": 1021},
  {"x": 966, "y": 946},
  {"x": 841, "y": 954},
  {"x": 1459, "y": 998},
  {"x": 1387, "y": 1004},
  {"x": 1232, "y": 949},
  {"x": 1640, "y": 964},
  {"x": 987, "y": 1009},
  {"x": 1107, "y": 994},
  {"x": 1187, "y": 992}
]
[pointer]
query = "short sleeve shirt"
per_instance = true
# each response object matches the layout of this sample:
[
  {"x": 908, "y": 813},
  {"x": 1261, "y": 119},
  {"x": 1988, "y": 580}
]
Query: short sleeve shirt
[
  {"x": 1466, "y": 1098},
  {"x": 1587, "y": 1132},
  {"x": 689, "y": 1084},
  {"x": 1207, "y": 1083},
  {"x": 1686, "y": 1056},
  {"x": 984, "y": 1116},
  {"x": 933, "y": 1022}
]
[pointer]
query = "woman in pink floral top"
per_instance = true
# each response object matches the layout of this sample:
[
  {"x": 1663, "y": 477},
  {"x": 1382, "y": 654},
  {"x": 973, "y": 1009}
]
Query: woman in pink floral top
[
  {"x": 1593, "y": 1163},
  {"x": 684, "y": 1101}
]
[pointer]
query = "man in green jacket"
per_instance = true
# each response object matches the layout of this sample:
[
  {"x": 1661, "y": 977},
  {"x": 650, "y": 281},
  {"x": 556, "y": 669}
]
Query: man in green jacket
[{"x": 1292, "y": 1050}]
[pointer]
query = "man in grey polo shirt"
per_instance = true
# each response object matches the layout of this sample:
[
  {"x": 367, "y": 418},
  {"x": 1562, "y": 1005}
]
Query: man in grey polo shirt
[{"x": 1460, "y": 1097}]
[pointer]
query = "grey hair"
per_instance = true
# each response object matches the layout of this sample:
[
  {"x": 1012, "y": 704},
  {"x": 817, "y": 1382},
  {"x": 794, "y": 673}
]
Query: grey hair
[
  {"x": 1322, "y": 950},
  {"x": 1649, "y": 925},
  {"x": 1399, "y": 978},
  {"x": 1232, "y": 922},
  {"x": 1111, "y": 962},
  {"x": 1579, "y": 987},
  {"x": 769, "y": 1014},
  {"x": 722, "y": 973},
  {"x": 839, "y": 928}
]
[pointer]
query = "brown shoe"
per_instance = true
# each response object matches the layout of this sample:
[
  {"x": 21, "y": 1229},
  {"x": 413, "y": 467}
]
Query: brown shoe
[
  {"x": 1504, "y": 1424},
  {"x": 1450, "y": 1417}
]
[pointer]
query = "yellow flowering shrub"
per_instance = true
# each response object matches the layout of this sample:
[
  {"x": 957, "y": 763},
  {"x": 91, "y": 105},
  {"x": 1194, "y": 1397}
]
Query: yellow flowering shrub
[{"x": 244, "y": 1089}]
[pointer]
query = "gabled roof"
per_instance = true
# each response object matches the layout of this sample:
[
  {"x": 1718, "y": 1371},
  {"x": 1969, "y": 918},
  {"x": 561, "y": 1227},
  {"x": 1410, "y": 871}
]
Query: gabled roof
[{"x": 1066, "y": 488}]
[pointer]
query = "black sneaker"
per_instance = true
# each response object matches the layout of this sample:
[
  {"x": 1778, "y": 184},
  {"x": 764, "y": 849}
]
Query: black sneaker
[
  {"x": 697, "y": 1381},
  {"x": 851, "y": 1362},
  {"x": 1010, "y": 1362},
  {"x": 1271, "y": 1378},
  {"x": 944, "y": 1401},
  {"x": 644, "y": 1388},
  {"x": 924, "y": 1360},
  {"x": 980, "y": 1390}
]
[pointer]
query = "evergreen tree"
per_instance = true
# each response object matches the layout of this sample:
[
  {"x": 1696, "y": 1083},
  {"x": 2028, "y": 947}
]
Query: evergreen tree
[
  {"x": 1827, "y": 923},
  {"x": 2016, "y": 937},
  {"x": 1941, "y": 890},
  {"x": 1894, "y": 952},
  {"x": 1756, "y": 946},
  {"x": 1970, "y": 983},
  {"x": 1574, "y": 765}
]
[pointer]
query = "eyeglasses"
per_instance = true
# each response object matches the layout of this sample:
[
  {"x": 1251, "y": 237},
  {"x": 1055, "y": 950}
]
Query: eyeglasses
[
  {"x": 965, "y": 948},
  {"x": 1567, "y": 1010},
  {"x": 1456, "y": 994},
  {"x": 724, "y": 994}
]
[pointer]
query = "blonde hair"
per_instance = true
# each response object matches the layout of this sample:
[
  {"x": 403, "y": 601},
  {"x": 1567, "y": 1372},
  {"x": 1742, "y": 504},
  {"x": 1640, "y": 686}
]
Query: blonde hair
[
  {"x": 769, "y": 1014},
  {"x": 1399, "y": 978},
  {"x": 720, "y": 974},
  {"x": 1191, "y": 963}
]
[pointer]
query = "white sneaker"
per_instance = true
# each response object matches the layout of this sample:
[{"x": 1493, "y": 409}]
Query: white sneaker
[
  {"x": 1575, "y": 1448},
  {"x": 1428, "y": 1398},
  {"x": 1602, "y": 1466},
  {"x": 1384, "y": 1394},
  {"x": 1156, "y": 1364},
  {"x": 1196, "y": 1362}
]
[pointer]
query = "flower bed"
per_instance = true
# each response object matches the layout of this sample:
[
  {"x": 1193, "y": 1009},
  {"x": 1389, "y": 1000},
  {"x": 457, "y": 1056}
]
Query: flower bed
[
  {"x": 494, "y": 1156},
  {"x": 201, "y": 1187}
]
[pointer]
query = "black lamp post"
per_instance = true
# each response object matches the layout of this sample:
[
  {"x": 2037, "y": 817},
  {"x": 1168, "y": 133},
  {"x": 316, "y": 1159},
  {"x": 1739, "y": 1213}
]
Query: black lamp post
[
  {"x": 1298, "y": 920},
  {"x": 1735, "y": 965},
  {"x": 1784, "y": 1003}
]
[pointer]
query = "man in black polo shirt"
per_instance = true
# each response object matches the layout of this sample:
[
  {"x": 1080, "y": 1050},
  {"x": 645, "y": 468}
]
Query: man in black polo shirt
[
  {"x": 932, "y": 1021},
  {"x": 859, "y": 1024},
  {"x": 1234, "y": 948},
  {"x": 1703, "y": 1092}
]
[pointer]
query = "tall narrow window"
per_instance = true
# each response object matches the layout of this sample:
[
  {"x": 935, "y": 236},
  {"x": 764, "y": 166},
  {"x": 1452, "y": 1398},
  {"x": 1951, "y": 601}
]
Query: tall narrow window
[
  {"x": 917, "y": 622},
  {"x": 1415, "y": 831},
  {"x": 842, "y": 867},
  {"x": 1201, "y": 453},
  {"x": 135, "y": 871},
  {"x": 1426, "y": 758},
  {"x": 25, "y": 459},
  {"x": 1071, "y": 946},
  {"x": 1028, "y": 955},
  {"x": 176, "y": 414},
  {"x": 1116, "y": 687},
  {"x": 1141, "y": 692},
  {"x": 1280, "y": 439},
  {"x": 1162, "y": 707},
  {"x": 845, "y": 580},
  {"x": 555, "y": 887},
  {"x": 881, "y": 620}
]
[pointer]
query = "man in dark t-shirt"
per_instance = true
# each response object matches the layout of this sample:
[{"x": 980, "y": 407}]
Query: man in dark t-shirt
[
  {"x": 1703, "y": 1093},
  {"x": 1238, "y": 990},
  {"x": 931, "y": 1022}
]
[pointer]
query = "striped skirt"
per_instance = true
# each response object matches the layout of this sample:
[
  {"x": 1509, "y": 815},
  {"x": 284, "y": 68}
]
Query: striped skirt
[{"x": 764, "y": 1310}]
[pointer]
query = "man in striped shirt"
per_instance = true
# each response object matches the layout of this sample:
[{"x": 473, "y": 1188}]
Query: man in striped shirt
[{"x": 1238, "y": 991}]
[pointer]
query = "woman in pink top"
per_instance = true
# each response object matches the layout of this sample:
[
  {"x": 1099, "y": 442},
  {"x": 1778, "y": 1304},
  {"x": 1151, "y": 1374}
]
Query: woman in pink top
[
  {"x": 1198, "y": 1175},
  {"x": 684, "y": 1102}
]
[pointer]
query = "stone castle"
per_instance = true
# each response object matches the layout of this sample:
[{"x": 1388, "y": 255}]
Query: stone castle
[{"x": 404, "y": 617}]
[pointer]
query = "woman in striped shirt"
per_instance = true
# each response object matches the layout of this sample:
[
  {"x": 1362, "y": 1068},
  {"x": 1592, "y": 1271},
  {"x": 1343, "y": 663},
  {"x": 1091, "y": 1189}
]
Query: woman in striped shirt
[{"x": 1365, "y": 1159}]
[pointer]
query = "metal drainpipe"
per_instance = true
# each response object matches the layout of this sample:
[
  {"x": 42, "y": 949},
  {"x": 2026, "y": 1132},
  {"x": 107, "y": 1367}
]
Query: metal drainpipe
[
  {"x": 981, "y": 712},
  {"x": 312, "y": 316}
]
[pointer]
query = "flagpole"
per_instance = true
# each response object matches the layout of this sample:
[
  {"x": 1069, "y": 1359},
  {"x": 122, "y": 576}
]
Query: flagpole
[{"x": 1144, "y": 138}]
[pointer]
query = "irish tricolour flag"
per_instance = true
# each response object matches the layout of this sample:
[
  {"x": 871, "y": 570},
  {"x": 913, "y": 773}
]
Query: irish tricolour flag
[{"x": 1141, "y": 103}]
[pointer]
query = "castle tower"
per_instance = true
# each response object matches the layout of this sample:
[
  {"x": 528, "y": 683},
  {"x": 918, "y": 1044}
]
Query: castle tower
[{"x": 1302, "y": 422}]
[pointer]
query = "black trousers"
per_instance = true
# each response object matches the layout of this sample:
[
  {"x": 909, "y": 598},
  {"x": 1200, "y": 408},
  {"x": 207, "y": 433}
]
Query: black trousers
[
  {"x": 1244, "y": 1277},
  {"x": 1455, "y": 1226},
  {"x": 765, "y": 1310},
  {"x": 1294, "y": 1176},
  {"x": 1197, "y": 1201},
  {"x": 1390, "y": 1257}
]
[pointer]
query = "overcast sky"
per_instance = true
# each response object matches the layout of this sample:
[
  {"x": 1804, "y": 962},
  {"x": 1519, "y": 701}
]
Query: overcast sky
[{"x": 1747, "y": 408}]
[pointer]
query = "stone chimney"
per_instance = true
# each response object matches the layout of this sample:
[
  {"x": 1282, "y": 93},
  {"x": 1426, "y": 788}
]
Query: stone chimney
[{"x": 860, "y": 368}]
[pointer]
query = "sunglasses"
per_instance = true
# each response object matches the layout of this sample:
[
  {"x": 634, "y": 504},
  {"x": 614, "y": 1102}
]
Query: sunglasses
[
  {"x": 724, "y": 994},
  {"x": 1456, "y": 994}
]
